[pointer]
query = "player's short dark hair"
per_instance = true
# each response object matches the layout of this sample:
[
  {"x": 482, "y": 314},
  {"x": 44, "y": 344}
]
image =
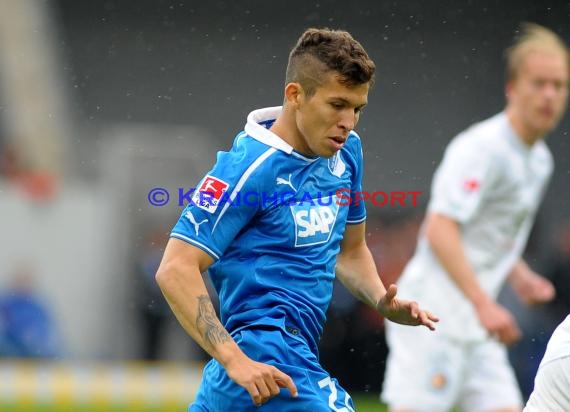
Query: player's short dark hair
[
  {"x": 532, "y": 38},
  {"x": 321, "y": 51}
]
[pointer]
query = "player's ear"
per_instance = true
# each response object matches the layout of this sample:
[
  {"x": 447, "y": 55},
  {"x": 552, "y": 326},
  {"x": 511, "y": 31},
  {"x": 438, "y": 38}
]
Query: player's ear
[
  {"x": 509, "y": 86},
  {"x": 293, "y": 92}
]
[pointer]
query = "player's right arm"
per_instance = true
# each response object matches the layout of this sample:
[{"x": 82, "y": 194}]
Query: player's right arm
[
  {"x": 444, "y": 236},
  {"x": 180, "y": 279}
]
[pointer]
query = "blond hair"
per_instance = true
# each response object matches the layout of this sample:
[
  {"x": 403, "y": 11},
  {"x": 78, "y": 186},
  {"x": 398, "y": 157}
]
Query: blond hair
[{"x": 533, "y": 38}]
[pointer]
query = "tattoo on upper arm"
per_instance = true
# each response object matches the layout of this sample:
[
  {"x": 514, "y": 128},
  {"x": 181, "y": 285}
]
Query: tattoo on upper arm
[{"x": 208, "y": 323}]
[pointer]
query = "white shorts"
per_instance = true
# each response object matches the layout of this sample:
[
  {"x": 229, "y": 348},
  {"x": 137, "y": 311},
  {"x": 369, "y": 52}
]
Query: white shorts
[
  {"x": 428, "y": 372},
  {"x": 551, "y": 388}
]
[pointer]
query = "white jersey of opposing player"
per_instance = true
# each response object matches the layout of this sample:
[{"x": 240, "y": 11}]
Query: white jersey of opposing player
[
  {"x": 553, "y": 378},
  {"x": 559, "y": 343},
  {"x": 492, "y": 184}
]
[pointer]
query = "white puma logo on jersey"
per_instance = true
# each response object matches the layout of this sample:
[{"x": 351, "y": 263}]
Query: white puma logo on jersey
[
  {"x": 281, "y": 181},
  {"x": 192, "y": 220}
]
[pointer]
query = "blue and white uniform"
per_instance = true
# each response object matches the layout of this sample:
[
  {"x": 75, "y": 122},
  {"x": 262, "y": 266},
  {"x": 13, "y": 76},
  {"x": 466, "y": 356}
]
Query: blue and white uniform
[{"x": 273, "y": 220}]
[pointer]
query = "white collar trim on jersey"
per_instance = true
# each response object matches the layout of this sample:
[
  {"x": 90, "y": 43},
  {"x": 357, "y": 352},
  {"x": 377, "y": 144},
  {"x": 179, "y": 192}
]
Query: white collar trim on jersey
[
  {"x": 260, "y": 133},
  {"x": 512, "y": 136}
]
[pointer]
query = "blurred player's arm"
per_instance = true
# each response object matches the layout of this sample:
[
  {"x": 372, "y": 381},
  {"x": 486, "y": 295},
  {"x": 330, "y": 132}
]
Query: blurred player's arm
[
  {"x": 357, "y": 271},
  {"x": 444, "y": 236},
  {"x": 530, "y": 287},
  {"x": 180, "y": 279}
]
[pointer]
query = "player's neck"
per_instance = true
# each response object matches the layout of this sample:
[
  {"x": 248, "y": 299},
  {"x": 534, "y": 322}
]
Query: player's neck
[
  {"x": 287, "y": 130},
  {"x": 527, "y": 135}
]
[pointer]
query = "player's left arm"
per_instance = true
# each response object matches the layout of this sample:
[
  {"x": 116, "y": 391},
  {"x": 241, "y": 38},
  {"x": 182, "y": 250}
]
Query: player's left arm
[
  {"x": 357, "y": 272},
  {"x": 529, "y": 286}
]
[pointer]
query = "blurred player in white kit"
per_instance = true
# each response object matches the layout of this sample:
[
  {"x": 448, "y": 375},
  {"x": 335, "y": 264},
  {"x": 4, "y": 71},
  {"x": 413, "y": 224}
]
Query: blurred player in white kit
[{"x": 484, "y": 198}]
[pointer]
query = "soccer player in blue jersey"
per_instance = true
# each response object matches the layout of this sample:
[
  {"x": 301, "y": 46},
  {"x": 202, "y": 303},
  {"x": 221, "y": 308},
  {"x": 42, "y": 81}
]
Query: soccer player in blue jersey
[{"x": 269, "y": 225}]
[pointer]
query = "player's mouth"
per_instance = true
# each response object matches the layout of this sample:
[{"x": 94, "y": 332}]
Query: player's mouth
[
  {"x": 337, "y": 142},
  {"x": 547, "y": 112}
]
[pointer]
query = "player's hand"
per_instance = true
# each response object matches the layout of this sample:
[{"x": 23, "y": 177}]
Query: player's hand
[
  {"x": 403, "y": 311},
  {"x": 261, "y": 381},
  {"x": 533, "y": 289},
  {"x": 499, "y": 322}
]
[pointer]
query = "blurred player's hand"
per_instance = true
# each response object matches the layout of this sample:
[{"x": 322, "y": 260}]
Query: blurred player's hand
[
  {"x": 404, "y": 312},
  {"x": 499, "y": 322},
  {"x": 261, "y": 381},
  {"x": 533, "y": 288}
]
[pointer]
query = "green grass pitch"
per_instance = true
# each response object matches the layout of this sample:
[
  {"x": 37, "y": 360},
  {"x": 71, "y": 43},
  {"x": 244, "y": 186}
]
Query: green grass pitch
[{"x": 363, "y": 403}]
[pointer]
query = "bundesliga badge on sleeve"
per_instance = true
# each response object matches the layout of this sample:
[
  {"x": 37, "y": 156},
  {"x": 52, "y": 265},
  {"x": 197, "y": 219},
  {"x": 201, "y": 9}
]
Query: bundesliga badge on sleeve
[{"x": 208, "y": 195}]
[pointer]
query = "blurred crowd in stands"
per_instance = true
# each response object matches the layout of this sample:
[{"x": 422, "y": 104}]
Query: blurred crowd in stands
[{"x": 37, "y": 185}]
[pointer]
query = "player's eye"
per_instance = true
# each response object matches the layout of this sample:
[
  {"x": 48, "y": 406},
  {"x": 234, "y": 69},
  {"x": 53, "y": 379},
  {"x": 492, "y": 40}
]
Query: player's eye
[
  {"x": 358, "y": 110},
  {"x": 559, "y": 86},
  {"x": 538, "y": 83}
]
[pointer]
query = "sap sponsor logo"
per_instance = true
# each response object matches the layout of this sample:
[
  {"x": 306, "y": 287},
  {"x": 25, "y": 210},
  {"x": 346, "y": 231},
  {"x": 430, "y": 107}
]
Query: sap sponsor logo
[
  {"x": 314, "y": 222},
  {"x": 209, "y": 193}
]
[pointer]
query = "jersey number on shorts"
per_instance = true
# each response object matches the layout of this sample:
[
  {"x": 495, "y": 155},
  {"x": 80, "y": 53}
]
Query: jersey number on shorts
[{"x": 327, "y": 382}]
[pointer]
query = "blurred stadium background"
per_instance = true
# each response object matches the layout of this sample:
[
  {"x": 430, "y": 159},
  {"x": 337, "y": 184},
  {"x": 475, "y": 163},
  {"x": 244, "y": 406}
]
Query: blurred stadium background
[{"x": 102, "y": 101}]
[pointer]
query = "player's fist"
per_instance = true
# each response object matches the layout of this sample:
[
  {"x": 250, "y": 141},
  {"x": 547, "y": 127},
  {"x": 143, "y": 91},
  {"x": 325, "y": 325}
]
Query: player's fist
[
  {"x": 534, "y": 289},
  {"x": 499, "y": 322}
]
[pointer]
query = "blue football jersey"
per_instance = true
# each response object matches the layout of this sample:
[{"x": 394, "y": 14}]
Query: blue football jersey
[{"x": 273, "y": 220}]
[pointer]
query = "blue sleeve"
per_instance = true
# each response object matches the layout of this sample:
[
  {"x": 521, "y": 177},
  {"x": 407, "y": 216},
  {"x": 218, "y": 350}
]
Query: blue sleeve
[
  {"x": 357, "y": 208},
  {"x": 219, "y": 209}
]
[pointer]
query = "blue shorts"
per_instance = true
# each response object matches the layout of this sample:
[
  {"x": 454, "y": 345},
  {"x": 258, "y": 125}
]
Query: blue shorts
[{"x": 318, "y": 392}]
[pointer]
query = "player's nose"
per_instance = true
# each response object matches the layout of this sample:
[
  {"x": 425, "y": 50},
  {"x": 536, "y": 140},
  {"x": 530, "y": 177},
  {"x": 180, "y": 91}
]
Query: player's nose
[{"x": 347, "y": 121}]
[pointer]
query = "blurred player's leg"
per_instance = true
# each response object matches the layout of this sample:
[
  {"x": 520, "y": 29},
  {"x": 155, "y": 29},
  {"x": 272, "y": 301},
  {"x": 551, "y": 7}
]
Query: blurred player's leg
[
  {"x": 423, "y": 373},
  {"x": 491, "y": 384}
]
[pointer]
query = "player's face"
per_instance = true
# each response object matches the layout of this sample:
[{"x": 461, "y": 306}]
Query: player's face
[
  {"x": 540, "y": 90},
  {"x": 325, "y": 119}
]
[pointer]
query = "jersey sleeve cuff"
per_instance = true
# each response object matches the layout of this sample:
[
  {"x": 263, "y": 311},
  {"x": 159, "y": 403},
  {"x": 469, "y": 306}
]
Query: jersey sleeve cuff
[
  {"x": 453, "y": 213},
  {"x": 355, "y": 221},
  {"x": 196, "y": 243}
]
